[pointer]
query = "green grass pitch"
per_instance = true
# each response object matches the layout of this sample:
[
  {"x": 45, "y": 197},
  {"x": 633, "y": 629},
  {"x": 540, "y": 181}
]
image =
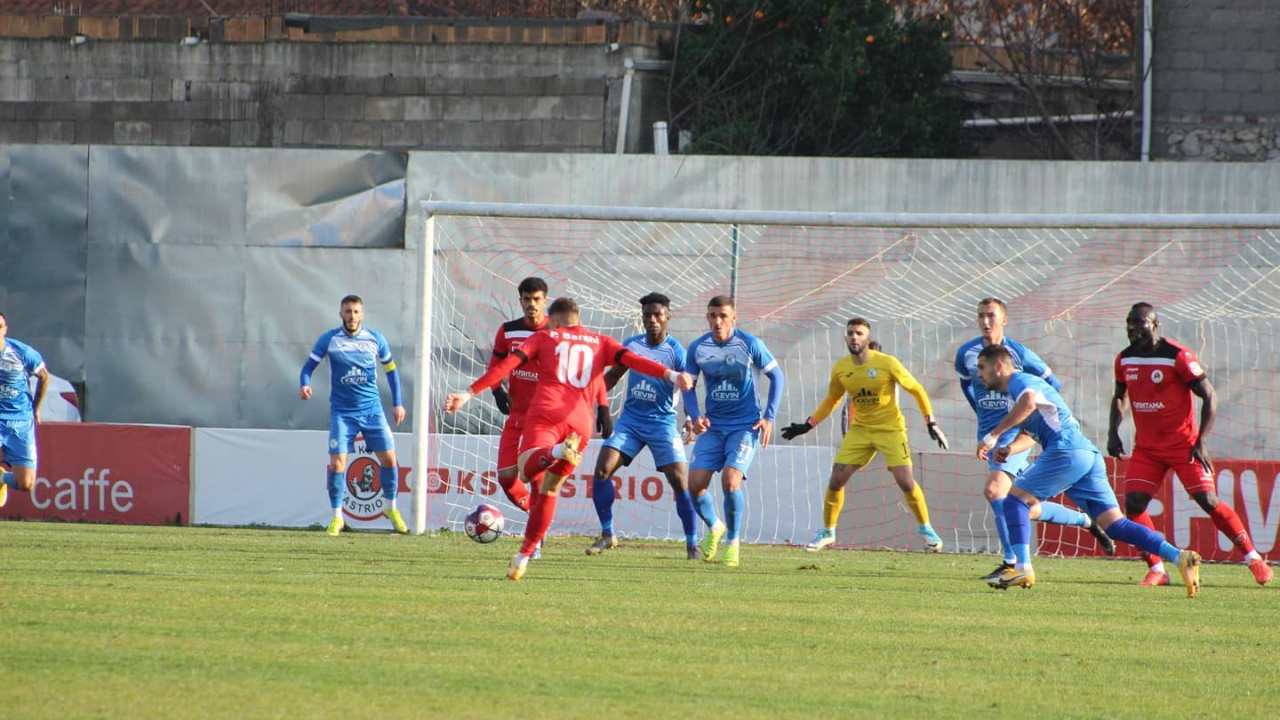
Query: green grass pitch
[{"x": 133, "y": 622}]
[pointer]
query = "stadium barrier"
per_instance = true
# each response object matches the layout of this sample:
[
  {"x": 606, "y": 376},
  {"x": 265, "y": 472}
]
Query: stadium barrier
[{"x": 90, "y": 472}]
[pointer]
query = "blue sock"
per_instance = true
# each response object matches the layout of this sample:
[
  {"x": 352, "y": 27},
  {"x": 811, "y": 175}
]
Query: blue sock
[
  {"x": 8, "y": 480},
  {"x": 1148, "y": 540},
  {"x": 1051, "y": 512},
  {"x": 389, "y": 483},
  {"x": 337, "y": 488},
  {"x": 602, "y": 494},
  {"x": 735, "y": 503},
  {"x": 684, "y": 508},
  {"x": 1002, "y": 529},
  {"x": 705, "y": 505},
  {"x": 1018, "y": 516}
]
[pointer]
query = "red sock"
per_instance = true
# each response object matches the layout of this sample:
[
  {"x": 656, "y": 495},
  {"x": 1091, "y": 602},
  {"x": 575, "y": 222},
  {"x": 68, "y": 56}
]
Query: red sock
[
  {"x": 1144, "y": 520},
  {"x": 539, "y": 460},
  {"x": 517, "y": 492},
  {"x": 1228, "y": 523},
  {"x": 541, "y": 512}
]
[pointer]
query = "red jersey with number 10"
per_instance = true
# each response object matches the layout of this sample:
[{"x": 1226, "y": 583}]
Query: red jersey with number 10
[{"x": 1158, "y": 383}]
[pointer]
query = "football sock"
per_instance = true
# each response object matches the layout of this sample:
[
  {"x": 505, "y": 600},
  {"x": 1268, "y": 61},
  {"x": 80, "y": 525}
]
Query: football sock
[
  {"x": 516, "y": 491},
  {"x": 1018, "y": 517},
  {"x": 1140, "y": 537},
  {"x": 832, "y": 503},
  {"x": 337, "y": 488},
  {"x": 541, "y": 512},
  {"x": 1158, "y": 567},
  {"x": 684, "y": 508},
  {"x": 1144, "y": 519},
  {"x": 602, "y": 494},
  {"x": 1228, "y": 523},
  {"x": 389, "y": 482},
  {"x": 1002, "y": 529},
  {"x": 1051, "y": 512},
  {"x": 705, "y": 505},
  {"x": 735, "y": 504},
  {"x": 915, "y": 501}
]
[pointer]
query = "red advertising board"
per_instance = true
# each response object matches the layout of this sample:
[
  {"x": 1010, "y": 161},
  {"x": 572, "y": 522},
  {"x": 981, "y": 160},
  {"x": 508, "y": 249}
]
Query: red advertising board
[
  {"x": 86, "y": 472},
  {"x": 1248, "y": 486}
]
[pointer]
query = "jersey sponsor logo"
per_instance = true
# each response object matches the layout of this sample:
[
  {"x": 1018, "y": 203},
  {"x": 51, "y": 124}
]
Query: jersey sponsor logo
[
  {"x": 725, "y": 391},
  {"x": 354, "y": 376},
  {"x": 1142, "y": 406},
  {"x": 995, "y": 401},
  {"x": 644, "y": 391},
  {"x": 866, "y": 397},
  {"x": 529, "y": 375},
  {"x": 1157, "y": 376}
]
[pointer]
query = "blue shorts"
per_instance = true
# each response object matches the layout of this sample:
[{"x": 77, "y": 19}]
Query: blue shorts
[
  {"x": 343, "y": 428},
  {"x": 1080, "y": 473},
  {"x": 18, "y": 441},
  {"x": 719, "y": 449},
  {"x": 663, "y": 440},
  {"x": 1013, "y": 466}
]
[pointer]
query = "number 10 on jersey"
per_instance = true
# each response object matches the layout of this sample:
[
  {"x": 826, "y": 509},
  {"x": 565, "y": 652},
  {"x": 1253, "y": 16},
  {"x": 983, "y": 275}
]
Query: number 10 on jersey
[{"x": 574, "y": 364}]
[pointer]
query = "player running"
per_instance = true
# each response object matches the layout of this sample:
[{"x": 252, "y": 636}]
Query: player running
[
  {"x": 569, "y": 360},
  {"x": 733, "y": 426},
  {"x": 1159, "y": 377},
  {"x": 648, "y": 419},
  {"x": 871, "y": 378},
  {"x": 990, "y": 406},
  {"x": 19, "y": 411},
  {"x": 1068, "y": 463},
  {"x": 354, "y": 352}
]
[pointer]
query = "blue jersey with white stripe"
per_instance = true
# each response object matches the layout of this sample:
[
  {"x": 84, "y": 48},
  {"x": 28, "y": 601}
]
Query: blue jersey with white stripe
[
  {"x": 652, "y": 400},
  {"x": 353, "y": 367},
  {"x": 1051, "y": 424},
  {"x": 992, "y": 405},
  {"x": 729, "y": 369},
  {"x": 18, "y": 362}
]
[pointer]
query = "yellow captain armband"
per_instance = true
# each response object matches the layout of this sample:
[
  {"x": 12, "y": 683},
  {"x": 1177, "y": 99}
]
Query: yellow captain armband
[{"x": 389, "y": 366}]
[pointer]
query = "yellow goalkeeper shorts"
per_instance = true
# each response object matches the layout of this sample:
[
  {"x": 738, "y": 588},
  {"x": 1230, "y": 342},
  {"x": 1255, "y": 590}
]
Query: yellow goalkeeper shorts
[{"x": 861, "y": 444}]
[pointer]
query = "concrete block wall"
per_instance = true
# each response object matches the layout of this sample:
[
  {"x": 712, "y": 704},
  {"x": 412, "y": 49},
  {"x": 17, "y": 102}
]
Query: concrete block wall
[
  {"x": 457, "y": 96},
  {"x": 1216, "y": 80}
]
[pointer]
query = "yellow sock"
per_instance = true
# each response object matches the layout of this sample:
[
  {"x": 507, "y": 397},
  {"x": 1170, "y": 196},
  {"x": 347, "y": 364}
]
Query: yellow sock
[
  {"x": 831, "y": 504},
  {"x": 915, "y": 501}
]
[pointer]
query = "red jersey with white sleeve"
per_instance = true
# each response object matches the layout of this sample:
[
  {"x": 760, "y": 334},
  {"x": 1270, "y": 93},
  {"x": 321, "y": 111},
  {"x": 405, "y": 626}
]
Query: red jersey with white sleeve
[
  {"x": 524, "y": 378},
  {"x": 1158, "y": 383}
]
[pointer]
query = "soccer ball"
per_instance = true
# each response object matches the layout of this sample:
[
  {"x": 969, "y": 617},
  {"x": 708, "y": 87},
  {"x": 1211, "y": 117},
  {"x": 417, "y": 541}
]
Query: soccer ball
[{"x": 484, "y": 524}]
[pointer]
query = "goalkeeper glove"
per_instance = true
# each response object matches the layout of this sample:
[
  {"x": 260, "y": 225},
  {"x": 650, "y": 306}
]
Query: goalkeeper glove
[
  {"x": 502, "y": 400},
  {"x": 604, "y": 422},
  {"x": 938, "y": 436},
  {"x": 795, "y": 430}
]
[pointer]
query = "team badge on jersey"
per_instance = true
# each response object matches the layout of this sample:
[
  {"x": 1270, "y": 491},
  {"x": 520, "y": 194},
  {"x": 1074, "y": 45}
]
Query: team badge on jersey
[
  {"x": 1157, "y": 376},
  {"x": 871, "y": 372}
]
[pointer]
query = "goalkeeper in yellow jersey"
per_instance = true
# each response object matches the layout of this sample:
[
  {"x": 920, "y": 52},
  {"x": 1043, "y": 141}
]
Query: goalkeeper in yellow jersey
[{"x": 871, "y": 378}]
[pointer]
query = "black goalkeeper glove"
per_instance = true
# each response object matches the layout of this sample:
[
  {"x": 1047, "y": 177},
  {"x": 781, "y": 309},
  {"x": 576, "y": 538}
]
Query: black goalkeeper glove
[
  {"x": 502, "y": 400},
  {"x": 795, "y": 430},
  {"x": 938, "y": 436},
  {"x": 604, "y": 421}
]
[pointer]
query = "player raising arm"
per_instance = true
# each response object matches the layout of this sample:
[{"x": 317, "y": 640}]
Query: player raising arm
[
  {"x": 355, "y": 407},
  {"x": 870, "y": 378},
  {"x": 1068, "y": 463},
  {"x": 733, "y": 425},
  {"x": 990, "y": 406},
  {"x": 1159, "y": 376},
  {"x": 19, "y": 411},
  {"x": 569, "y": 360}
]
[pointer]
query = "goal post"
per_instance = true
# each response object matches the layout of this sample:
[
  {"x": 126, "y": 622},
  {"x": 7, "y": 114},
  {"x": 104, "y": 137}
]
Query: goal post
[{"x": 797, "y": 277}]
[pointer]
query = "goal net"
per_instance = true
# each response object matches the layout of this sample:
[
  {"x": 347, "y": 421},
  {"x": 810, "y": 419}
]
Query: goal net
[{"x": 797, "y": 278}]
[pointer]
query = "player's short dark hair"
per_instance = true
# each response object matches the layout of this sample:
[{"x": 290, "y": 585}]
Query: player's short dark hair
[
  {"x": 531, "y": 285},
  {"x": 859, "y": 321},
  {"x": 994, "y": 301},
  {"x": 351, "y": 299},
  {"x": 655, "y": 298},
  {"x": 1141, "y": 306},
  {"x": 563, "y": 306},
  {"x": 720, "y": 301},
  {"x": 993, "y": 353}
]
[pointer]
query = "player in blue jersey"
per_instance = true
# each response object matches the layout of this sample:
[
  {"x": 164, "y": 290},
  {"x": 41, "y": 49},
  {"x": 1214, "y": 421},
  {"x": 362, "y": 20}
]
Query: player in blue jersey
[
  {"x": 19, "y": 411},
  {"x": 1068, "y": 463},
  {"x": 990, "y": 406},
  {"x": 354, "y": 353},
  {"x": 648, "y": 419},
  {"x": 733, "y": 425}
]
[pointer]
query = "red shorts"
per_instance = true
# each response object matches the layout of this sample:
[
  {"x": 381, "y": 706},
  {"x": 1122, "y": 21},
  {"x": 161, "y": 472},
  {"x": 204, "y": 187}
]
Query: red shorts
[
  {"x": 1147, "y": 469},
  {"x": 509, "y": 442},
  {"x": 543, "y": 432}
]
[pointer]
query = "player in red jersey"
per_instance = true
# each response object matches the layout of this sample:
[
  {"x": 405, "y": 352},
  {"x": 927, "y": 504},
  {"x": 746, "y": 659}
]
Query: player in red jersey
[
  {"x": 522, "y": 382},
  {"x": 1159, "y": 376},
  {"x": 569, "y": 360}
]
